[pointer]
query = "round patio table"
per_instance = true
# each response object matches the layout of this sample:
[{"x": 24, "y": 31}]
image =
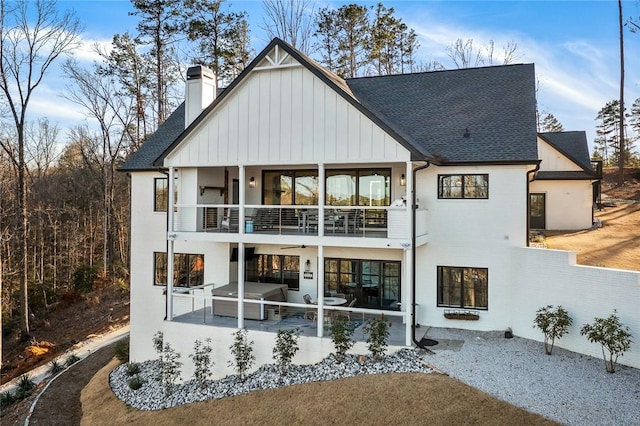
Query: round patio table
[{"x": 334, "y": 301}]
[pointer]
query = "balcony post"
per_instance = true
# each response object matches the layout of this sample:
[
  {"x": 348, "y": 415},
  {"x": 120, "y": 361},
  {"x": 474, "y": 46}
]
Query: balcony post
[
  {"x": 321, "y": 199},
  {"x": 408, "y": 256},
  {"x": 241, "y": 285},
  {"x": 241, "y": 198}
]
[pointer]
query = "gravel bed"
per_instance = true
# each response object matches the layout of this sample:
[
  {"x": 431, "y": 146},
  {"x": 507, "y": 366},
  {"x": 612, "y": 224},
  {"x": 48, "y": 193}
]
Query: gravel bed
[
  {"x": 151, "y": 395},
  {"x": 567, "y": 387}
]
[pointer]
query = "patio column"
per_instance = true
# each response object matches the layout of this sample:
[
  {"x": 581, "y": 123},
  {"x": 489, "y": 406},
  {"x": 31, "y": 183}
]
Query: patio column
[
  {"x": 320, "y": 268},
  {"x": 240, "y": 285},
  {"x": 170, "y": 242}
]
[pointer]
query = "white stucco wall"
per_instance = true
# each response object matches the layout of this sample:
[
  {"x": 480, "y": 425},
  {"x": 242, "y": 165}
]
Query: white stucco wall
[
  {"x": 569, "y": 203},
  {"x": 551, "y": 277},
  {"x": 471, "y": 233}
]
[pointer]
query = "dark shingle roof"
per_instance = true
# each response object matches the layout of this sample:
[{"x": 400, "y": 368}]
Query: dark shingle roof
[
  {"x": 434, "y": 109},
  {"x": 153, "y": 147},
  {"x": 428, "y": 113},
  {"x": 572, "y": 145}
]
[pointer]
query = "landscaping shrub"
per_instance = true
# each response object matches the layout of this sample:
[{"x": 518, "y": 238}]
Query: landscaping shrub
[
  {"x": 242, "y": 351},
  {"x": 135, "y": 382},
  {"x": 71, "y": 359},
  {"x": 378, "y": 331},
  {"x": 285, "y": 348},
  {"x": 133, "y": 368},
  {"x": 6, "y": 399},
  {"x": 554, "y": 323},
  {"x": 613, "y": 336},
  {"x": 54, "y": 368},
  {"x": 24, "y": 387},
  {"x": 121, "y": 350},
  {"x": 202, "y": 362},
  {"x": 342, "y": 336}
]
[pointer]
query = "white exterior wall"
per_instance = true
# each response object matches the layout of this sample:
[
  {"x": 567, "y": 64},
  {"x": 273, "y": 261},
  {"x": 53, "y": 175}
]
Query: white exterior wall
[
  {"x": 569, "y": 203},
  {"x": 471, "y": 233},
  {"x": 551, "y": 277},
  {"x": 295, "y": 118},
  {"x": 554, "y": 160}
]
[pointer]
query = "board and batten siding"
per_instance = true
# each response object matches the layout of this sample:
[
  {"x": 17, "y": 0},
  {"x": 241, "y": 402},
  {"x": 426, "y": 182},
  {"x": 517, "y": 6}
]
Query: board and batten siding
[
  {"x": 554, "y": 160},
  {"x": 285, "y": 116}
]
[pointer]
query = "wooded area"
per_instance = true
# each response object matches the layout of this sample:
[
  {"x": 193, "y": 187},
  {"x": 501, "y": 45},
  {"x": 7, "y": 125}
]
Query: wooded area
[{"x": 64, "y": 206}]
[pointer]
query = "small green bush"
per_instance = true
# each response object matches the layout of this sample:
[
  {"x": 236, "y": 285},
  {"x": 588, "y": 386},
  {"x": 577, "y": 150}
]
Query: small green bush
[
  {"x": 613, "y": 336},
  {"x": 135, "y": 382},
  {"x": 133, "y": 368},
  {"x": 202, "y": 362},
  {"x": 24, "y": 387},
  {"x": 54, "y": 368},
  {"x": 121, "y": 350},
  {"x": 169, "y": 368},
  {"x": 342, "y": 336},
  {"x": 242, "y": 351},
  {"x": 6, "y": 399},
  {"x": 285, "y": 348},
  {"x": 378, "y": 331},
  {"x": 554, "y": 323},
  {"x": 71, "y": 359}
]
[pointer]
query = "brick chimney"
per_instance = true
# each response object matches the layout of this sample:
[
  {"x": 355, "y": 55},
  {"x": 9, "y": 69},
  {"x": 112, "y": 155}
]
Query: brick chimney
[{"x": 199, "y": 93}]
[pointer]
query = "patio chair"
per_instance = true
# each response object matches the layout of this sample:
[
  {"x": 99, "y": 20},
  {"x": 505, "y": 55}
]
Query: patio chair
[
  {"x": 310, "y": 313},
  {"x": 347, "y": 314}
]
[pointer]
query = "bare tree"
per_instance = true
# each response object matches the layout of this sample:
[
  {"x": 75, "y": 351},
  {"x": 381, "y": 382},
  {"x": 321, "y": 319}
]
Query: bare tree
[
  {"x": 291, "y": 21},
  {"x": 464, "y": 54},
  {"x": 115, "y": 117},
  {"x": 621, "y": 126},
  {"x": 33, "y": 35}
]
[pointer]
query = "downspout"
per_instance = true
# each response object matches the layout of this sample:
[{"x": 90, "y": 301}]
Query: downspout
[
  {"x": 414, "y": 207},
  {"x": 166, "y": 295},
  {"x": 529, "y": 200}
]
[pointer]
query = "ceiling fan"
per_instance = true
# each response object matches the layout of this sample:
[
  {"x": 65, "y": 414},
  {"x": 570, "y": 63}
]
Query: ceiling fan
[{"x": 290, "y": 247}]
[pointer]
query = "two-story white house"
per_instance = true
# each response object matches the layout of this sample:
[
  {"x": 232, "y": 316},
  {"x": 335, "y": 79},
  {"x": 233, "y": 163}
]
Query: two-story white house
[{"x": 406, "y": 195}]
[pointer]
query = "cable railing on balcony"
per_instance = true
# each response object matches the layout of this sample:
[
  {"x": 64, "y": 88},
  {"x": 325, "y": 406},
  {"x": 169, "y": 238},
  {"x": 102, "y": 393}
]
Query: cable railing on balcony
[{"x": 342, "y": 221}]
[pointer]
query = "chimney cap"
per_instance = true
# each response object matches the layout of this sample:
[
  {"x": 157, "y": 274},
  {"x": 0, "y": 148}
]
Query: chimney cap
[{"x": 199, "y": 71}]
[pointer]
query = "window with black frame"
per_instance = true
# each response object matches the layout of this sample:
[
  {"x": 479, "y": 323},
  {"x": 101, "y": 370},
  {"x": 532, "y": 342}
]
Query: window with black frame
[
  {"x": 463, "y": 186},
  {"x": 188, "y": 269},
  {"x": 463, "y": 287},
  {"x": 374, "y": 283},
  {"x": 274, "y": 269},
  {"x": 160, "y": 196}
]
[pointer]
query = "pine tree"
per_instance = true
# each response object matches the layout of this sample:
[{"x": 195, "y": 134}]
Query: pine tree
[{"x": 551, "y": 124}]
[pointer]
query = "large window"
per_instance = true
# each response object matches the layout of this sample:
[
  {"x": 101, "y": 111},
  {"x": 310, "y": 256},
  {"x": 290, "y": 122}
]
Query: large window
[
  {"x": 463, "y": 186},
  {"x": 160, "y": 199},
  {"x": 374, "y": 283},
  {"x": 274, "y": 269},
  {"x": 290, "y": 187},
  {"x": 188, "y": 269},
  {"x": 461, "y": 287},
  {"x": 361, "y": 187}
]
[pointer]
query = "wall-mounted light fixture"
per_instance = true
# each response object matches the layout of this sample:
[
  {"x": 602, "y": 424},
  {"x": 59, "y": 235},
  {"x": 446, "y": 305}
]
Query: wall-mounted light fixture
[
  {"x": 403, "y": 180},
  {"x": 307, "y": 266},
  {"x": 252, "y": 182}
]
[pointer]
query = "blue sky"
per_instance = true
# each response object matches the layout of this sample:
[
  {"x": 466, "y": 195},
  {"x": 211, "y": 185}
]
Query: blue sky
[{"x": 573, "y": 44}]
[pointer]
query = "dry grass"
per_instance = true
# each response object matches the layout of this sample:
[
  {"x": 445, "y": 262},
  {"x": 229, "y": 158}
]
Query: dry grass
[{"x": 407, "y": 399}]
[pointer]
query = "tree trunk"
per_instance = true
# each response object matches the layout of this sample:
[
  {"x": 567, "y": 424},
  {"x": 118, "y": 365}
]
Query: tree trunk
[
  {"x": 21, "y": 226},
  {"x": 621, "y": 154}
]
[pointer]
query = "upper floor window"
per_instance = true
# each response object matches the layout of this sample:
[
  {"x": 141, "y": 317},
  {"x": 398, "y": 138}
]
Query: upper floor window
[
  {"x": 274, "y": 269},
  {"x": 160, "y": 195},
  {"x": 463, "y": 287},
  {"x": 290, "y": 187},
  {"x": 188, "y": 269},
  {"x": 463, "y": 186},
  {"x": 360, "y": 187}
]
